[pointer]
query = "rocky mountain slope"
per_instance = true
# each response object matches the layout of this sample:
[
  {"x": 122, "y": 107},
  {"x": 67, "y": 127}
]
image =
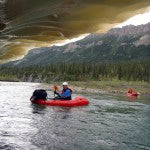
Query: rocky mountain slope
[{"x": 129, "y": 43}]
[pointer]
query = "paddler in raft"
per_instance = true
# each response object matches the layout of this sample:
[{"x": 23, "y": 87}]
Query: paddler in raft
[
  {"x": 131, "y": 92},
  {"x": 65, "y": 94}
]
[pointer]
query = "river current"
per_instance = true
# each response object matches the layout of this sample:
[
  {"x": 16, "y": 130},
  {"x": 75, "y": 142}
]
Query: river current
[{"x": 108, "y": 123}]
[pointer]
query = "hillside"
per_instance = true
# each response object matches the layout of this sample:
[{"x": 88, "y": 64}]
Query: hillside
[{"x": 129, "y": 43}]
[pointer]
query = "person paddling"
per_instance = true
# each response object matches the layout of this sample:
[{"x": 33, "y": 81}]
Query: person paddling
[
  {"x": 65, "y": 94},
  {"x": 131, "y": 91}
]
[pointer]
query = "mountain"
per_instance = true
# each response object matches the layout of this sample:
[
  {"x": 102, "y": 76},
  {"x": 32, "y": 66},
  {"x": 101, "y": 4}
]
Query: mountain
[{"x": 129, "y": 43}]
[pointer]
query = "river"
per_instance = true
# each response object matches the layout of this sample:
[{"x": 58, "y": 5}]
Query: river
[{"x": 108, "y": 123}]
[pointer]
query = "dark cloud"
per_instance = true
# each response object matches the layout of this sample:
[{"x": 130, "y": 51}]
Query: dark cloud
[{"x": 25, "y": 24}]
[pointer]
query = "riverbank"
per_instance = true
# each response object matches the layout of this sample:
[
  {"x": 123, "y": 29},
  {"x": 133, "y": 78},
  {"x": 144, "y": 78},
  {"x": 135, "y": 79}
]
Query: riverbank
[
  {"x": 96, "y": 87},
  {"x": 100, "y": 87}
]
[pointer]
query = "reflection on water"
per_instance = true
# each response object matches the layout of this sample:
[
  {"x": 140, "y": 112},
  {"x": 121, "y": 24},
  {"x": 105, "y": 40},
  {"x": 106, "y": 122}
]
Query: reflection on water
[{"x": 109, "y": 122}]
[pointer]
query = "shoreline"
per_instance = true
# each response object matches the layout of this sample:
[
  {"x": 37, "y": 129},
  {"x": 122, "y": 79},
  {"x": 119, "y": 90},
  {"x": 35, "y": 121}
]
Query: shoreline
[
  {"x": 103, "y": 87},
  {"x": 98, "y": 87}
]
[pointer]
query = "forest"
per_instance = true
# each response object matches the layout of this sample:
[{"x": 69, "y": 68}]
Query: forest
[{"x": 127, "y": 71}]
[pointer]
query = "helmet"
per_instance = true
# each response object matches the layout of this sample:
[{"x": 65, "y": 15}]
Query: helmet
[{"x": 65, "y": 83}]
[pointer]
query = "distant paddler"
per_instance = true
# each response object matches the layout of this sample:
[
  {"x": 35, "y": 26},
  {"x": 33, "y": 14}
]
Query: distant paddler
[{"x": 132, "y": 93}]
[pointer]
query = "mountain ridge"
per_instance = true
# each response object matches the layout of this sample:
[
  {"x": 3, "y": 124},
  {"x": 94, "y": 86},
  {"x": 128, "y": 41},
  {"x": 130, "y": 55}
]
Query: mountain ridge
[{"x": 128, "y": 43}]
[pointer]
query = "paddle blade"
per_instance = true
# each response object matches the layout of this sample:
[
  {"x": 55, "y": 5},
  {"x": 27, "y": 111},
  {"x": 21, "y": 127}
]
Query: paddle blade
[{"x": 55, "y": 88}]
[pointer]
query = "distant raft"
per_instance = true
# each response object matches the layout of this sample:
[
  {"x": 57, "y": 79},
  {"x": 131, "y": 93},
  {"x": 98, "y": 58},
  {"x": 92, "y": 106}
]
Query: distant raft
[
  {"x": 132, "y": 93},
  {"x": 78, "y": 101},
  {"x": 135, "y": 94}
]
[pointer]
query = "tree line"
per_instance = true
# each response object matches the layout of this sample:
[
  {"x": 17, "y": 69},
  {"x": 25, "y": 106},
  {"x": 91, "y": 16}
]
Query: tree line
[{"x": 132, "y": 71}]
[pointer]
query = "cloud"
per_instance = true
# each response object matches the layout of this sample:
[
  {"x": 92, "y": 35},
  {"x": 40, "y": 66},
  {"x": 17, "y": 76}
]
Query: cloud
[
  {"x": 39, "y": 23},
  {"x": 137, "y": 20}
]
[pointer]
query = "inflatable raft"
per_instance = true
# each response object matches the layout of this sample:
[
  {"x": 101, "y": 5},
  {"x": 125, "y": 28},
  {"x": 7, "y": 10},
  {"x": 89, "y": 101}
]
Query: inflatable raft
[
  {"x": 135, "y": 94},
  {"x": 78, "y": 101}
]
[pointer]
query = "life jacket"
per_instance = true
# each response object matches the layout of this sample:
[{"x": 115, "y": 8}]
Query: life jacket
[{"x": 63, "y": 91}]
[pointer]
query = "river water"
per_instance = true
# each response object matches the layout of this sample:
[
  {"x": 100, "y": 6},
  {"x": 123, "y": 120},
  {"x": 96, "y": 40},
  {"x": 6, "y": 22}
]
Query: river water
[{"x": 108, "y": 123}]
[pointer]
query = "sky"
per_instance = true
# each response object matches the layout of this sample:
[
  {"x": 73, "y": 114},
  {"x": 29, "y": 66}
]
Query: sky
[
  {"x": 71, "y": 40},
  {"x": 135, "y": 20},
  {"x": 52, "y": 22}
]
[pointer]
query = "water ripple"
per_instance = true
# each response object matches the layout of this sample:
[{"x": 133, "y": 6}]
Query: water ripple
[{"x": 107, "y": 123}]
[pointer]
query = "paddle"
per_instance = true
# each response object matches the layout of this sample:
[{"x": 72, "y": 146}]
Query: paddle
[{"x": 55, "y": 89}]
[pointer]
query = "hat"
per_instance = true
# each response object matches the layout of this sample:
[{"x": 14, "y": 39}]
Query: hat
[{"x": 65, "y": 83}]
